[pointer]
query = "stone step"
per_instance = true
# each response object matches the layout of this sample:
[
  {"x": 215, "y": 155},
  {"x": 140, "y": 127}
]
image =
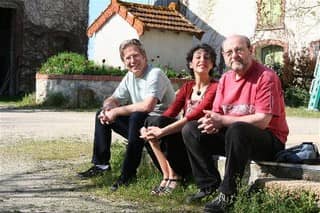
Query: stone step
[
  {"x": 262, "y": 169},
  {"x": 287, "y": 177},
  {"x": 289, "y": 186}
]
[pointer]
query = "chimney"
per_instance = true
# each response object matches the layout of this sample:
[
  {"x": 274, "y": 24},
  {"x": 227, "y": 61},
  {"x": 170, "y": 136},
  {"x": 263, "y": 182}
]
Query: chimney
[{"x": 173, "y": 6}]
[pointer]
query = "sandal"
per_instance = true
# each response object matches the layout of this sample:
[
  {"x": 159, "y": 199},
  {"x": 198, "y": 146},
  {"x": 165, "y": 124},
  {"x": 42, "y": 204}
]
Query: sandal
[
  {"x": 168, "y": 189},
  {"x": 159, "y": 189}
]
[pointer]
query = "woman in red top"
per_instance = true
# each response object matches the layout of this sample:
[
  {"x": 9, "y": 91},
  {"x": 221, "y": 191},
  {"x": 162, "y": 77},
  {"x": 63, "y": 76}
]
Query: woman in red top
[{"x": 164, "y": 132}]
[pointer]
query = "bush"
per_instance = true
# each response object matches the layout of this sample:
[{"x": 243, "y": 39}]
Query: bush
[
  {"x": 56, "y": 99},
  {"x": 68, "y": 63},
  {"x": 295, "y": 97},
  {"x": 297, "y": 70}
]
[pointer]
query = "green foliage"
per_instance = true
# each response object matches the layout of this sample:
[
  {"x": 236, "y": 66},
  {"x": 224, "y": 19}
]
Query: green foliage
[
  {"x": 296, "y": 97},
  {"x": 68, "y": 63},
  {"x": 264, "y": 201},
  {"x": 28, "y": 100},
  {"x": 56, "y": 99},
  {"x": 298, "y": 69},
  {"x": 296, "y": 74},
  {"x": 149, "y": 177},
  {"x": 171, "y": 73}
]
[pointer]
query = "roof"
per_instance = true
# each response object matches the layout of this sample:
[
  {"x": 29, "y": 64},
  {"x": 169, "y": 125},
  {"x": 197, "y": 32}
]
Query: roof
[{"x": 143, "y": 17}]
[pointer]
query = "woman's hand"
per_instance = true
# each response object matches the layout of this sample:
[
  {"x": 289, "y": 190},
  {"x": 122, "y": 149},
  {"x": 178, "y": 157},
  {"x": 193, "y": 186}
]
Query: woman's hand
[
  {"x": 148, "y": 134},
  {"x": 154, "y": 132}
]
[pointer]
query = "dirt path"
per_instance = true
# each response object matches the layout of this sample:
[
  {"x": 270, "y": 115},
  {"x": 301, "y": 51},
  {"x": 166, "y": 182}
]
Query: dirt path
[
  {"x": 49, "y": 186},
  {"x": 27, "y": 185}
]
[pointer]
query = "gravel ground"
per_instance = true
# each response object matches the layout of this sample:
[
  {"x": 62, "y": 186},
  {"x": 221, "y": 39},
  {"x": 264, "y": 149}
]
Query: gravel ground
[
  {"x": 44, "y": 186},
  {"x": 27, "y": 185}
]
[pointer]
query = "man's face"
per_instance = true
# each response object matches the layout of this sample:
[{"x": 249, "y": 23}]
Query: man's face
[
  {"x": 236, "y": 54},
  {"x": 134, "y": 60}
]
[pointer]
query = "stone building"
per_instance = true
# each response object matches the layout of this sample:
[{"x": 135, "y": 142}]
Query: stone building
[
  {"x": 275, "y": 27},
  {"x": 33, "y": 30}
]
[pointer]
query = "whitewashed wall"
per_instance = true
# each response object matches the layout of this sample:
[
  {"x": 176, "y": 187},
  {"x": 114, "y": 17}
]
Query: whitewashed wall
[
  {"x": 302, "y": 22},
  {"x": 220, "y": 18},
  {"x": 170, "y": 46},
  {"x": 165, "y": 47},
  {"x": 108, "y": 39}
]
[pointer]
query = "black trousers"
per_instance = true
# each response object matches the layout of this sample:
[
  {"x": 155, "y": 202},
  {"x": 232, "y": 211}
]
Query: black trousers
[
  {"x": 240, "y": 143},
  {"x": 172, "y": 146},
  {"x": 129, "y": 128}
]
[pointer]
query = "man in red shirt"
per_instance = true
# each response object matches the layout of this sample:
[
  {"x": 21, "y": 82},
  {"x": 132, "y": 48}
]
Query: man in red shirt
[{"x": 247, "y": 122}]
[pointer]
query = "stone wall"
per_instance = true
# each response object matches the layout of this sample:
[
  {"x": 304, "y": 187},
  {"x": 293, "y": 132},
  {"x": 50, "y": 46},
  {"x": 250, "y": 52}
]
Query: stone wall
[
  {"x": 81, "y": 89},
  {"x": 43, "y": 28}
]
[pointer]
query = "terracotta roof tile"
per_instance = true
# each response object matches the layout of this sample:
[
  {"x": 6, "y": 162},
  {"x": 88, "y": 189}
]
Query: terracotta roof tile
[{"x": 143, "y": 17}]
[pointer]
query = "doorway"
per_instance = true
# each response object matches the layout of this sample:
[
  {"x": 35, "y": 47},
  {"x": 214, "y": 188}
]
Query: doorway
[{"x": 6, "y": 51}]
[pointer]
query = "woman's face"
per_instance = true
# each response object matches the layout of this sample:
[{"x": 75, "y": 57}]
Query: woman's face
[{"x": 201, "y": 62}]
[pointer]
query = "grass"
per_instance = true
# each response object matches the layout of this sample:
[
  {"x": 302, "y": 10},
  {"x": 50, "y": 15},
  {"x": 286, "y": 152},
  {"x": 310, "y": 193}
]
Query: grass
[
  {"x": 48, "y": 150},
  {"x": 29, "y": 101},
  {"x": 148, "y": 177},
  {"x": 55, "y": 101},
  {"x": 302, "y": 112}
]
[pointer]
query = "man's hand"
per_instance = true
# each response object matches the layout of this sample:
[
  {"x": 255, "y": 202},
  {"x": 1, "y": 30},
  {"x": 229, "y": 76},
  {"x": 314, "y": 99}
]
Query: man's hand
[
  {"x": 107, "y": 116},
  {"x": 210, "y": 123}
]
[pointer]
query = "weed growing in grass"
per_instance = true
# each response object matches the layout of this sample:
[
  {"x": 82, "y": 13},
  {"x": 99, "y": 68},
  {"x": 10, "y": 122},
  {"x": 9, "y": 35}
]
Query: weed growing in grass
[
  {"x": 264, "y": 201},
  {"x": 149, "y": 176}
]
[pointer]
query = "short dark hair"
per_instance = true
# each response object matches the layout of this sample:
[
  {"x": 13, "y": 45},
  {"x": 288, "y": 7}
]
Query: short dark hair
[
  {"x": 135, "y": 42},
  {"x": 208, "y": 49}
]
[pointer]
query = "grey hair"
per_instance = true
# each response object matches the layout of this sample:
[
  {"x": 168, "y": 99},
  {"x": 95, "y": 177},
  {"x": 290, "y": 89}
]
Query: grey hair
[
  {"x": 135, "y": 42},
  {"x": 244, "y": 38}
]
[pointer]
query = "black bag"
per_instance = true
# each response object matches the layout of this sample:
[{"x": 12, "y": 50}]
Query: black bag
[{"x": 306, "y": 152}]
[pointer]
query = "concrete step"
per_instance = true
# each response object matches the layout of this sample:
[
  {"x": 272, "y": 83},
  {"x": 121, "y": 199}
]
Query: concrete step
[
  {"x": 263, "y": 169},
  {"x": 285, "y": 177},
  {"x": 282, "y": 176},
  {"x": 289, "y": 186}
]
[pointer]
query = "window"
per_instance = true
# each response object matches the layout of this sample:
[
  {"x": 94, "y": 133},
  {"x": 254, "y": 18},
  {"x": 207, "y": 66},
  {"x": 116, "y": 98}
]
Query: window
[
  {"x": 272, "y": 56},
  {"x": 270, "y": 14}
]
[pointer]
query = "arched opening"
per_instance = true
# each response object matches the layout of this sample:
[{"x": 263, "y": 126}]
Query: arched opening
[{"x": 272, "y": 55}]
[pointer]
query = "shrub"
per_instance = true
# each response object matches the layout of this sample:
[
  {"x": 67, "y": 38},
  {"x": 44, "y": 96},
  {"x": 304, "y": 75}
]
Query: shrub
[
  {"x": 297, "y": 70},
  {"x": 296, "y": 74},
  {"x": 73, "y": 63},
  {"x": 296, "y": 96},
  {"x": 28, "y": 100},
  {"x": 56, "y": 99}
]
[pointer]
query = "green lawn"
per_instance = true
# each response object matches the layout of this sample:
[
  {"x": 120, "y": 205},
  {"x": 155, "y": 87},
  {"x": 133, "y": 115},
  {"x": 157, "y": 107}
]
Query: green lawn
[{"x": 148, "y": 177}]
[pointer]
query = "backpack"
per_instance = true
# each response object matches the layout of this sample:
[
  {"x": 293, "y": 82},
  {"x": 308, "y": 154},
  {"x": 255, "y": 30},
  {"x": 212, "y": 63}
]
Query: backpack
[{"x": 306, "y": 153}]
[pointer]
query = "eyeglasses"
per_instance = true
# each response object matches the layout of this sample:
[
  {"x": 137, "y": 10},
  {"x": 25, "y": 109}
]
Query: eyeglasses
[{"x": 237, "y": 50}]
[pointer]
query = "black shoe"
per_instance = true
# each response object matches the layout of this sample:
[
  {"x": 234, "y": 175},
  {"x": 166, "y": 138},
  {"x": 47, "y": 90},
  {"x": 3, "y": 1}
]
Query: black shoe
[
  {"x": 93, "y": 172},
  {"x": 219, "y": 204},
  {"x": 121, "y": 182},
  {"x": 202, "y": 193}
]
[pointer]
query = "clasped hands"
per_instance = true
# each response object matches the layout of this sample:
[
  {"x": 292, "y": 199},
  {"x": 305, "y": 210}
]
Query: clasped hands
[
  {"x": 107, "y": 115},
  {"x": 151, "y": 133},
  {"x": 210, "y": 123}
]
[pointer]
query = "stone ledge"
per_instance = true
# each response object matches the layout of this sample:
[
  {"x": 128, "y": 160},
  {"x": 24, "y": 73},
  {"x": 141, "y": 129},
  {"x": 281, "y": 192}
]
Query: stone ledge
[
  {"x": 289, "y": 186},
  {"x": 262, "y": 169},
  {"x": 79, "y": 89}
]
